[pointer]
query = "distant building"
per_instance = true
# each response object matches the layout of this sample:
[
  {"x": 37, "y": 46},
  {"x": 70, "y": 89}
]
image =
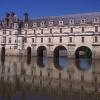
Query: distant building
[{"x": 49, "y": 35}]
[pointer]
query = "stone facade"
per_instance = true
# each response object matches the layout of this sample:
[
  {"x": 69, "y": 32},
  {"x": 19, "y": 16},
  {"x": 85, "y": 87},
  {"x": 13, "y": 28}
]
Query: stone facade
[{"x": 71, "y": 32}]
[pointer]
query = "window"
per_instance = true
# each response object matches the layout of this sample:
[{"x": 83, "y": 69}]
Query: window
[
  {"x": 34, "y": 24},
  {"x": 9, "y": 40},
  {"x": 82, "y": 29},
  {"x": 32, "y": 40},
  {"x": 82, "y": 39},
  {"x": 26, "y": 25},
  {"x": 41, "y": 31},
  {"x": 60, "y": 39},
  {"x": 4, "y": 31},
  {"x": 71, "y": 30},
  {"x": 41, "y": 40},
  {"x": 25, "y": 32},
  {"x": 50, "y": 31},
  {"x": 60, "y": 30},
  {"x": 25, "y": 39},
  {"x": 83, "y": 21},
  {"x": 15, "y": 47},
  {"x": 60, "y": 22},
  {"x": 96, "y": 28},
  {"x": 96, "y": 20},
  {"x": 71, "y": 21},
  {"x": 70, "y": 39},
  {"x": 50, "y": 23},
  {"x": 4, "y": 39},
  {"x": 42, "y": 23},
  {"x": 49, "y": 40},
  {"x": 34, "y": 31},
  {"x": 96, "y": 39},
  {"x": 9, "y": 32}
]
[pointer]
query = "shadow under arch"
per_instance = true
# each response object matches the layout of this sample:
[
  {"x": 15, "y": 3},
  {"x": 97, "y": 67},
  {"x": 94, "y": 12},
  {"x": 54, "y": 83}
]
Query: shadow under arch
[
  {"x": 41, "y": 51},
  {"x": 60, "y": 51},
  {"x": 2, "y": 54},
  {"x": 83, "y": 52},
  {"x": 29, "y": 51}
]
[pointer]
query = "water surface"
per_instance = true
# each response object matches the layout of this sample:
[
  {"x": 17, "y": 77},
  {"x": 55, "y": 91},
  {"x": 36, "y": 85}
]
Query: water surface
[{"x": 42, "y": 78}]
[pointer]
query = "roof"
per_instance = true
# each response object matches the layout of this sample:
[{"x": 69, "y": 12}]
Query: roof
[{"x": 89, "y": 17}]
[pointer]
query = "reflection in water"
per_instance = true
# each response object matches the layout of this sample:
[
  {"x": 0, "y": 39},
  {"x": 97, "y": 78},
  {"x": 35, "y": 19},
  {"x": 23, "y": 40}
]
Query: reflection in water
[
  {"x": 2, "y": 59},
  {"x": 60, "y": 62},
  {"x": 28, "y": 60},
  {"x": 42, "y": 61},
  {"x": 83, "y": 63},
  {"x": 33, "y": 83}
]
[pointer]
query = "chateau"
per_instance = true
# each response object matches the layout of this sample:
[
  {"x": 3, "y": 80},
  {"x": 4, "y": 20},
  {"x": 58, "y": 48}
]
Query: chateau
[{"x": 68, "y": 35}]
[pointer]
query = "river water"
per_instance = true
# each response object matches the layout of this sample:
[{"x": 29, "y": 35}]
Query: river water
[{"x": 49, "y": 78}]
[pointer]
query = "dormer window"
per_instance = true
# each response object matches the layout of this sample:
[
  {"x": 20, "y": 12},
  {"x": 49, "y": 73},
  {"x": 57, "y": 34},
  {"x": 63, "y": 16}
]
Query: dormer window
[
  {"x": 96, "y": 20},
  {"x": 71, "y": 21},
  {"x": 82, "y": 21},
  {"x": 50, "y": 23},
  {"x": 60, "y": 22},
  {"x": 34, "y": 24},
  {"x": 15, "y": 25},
  {"x": 42, "y": 23},
  {"x": 26, "y": 25}
]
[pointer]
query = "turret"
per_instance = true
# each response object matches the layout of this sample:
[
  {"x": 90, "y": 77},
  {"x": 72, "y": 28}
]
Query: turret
[
  {"x": 25, "y": 17},
  {"x": 7, "y": 19},
  {"x": 26, "y": 20}
]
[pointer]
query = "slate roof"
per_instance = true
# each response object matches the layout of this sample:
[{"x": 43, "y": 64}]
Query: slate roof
[{"x": 89, "y": 18}]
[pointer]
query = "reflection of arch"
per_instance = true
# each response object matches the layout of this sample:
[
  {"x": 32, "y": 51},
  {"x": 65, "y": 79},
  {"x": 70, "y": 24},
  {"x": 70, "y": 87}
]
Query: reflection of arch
[
  {"x": 83, "y": 51},
  {"x": 28, "y": 60},
  {"x": 3, "y": 54},
  {"x": 60, "y": 62},
  {"x": 60, "y": 51},
  {"x": 42, "y": 61},
  {"x": 83, "y": 63},
  {"x": 28, "y": 55},
  {"x": 41, "y": 51},
  {"x": 28, "y": 51}
]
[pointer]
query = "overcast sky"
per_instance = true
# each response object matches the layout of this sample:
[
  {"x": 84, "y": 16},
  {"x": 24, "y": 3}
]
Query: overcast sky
[{"x": 41, "y": 8}]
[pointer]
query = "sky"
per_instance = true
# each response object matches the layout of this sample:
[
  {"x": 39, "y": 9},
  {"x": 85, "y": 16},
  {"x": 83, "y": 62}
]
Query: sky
[{"x": 42, "y": 8}]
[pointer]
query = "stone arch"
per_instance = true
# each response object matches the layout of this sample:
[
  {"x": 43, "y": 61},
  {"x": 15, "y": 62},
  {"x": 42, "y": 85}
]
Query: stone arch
[
  {"x": 3, "y": 54},
  {"x": 41, "y": 51},
  {"x": 28, "y": 51},
  {"x": 83, "y": 51},
  {"x": 60, "y": 51}
]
